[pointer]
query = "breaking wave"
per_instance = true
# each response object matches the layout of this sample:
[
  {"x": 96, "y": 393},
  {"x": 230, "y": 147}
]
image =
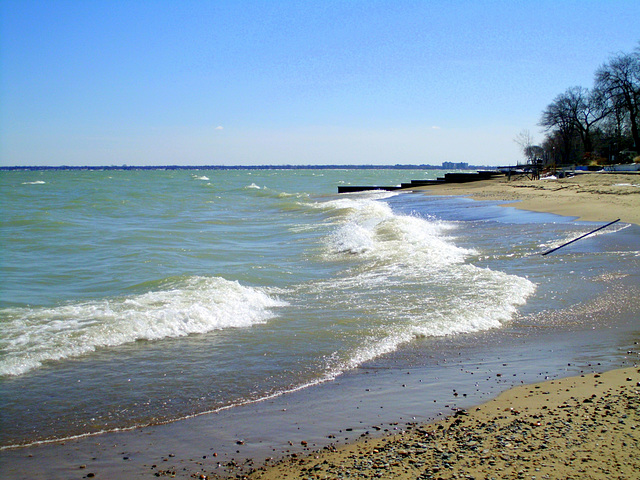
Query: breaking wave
[{"x": 31, "y": 336}]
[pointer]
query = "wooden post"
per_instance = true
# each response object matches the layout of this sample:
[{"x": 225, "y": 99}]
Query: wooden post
[{"x": 582, "y": 236}]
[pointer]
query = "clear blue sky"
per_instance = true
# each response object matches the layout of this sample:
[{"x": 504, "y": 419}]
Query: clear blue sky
[{"x": 292, "y": 82}]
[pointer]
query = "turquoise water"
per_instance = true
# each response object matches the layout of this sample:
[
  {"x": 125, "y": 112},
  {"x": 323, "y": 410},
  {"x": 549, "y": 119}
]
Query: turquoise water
[{"x": 137, "y": 297}]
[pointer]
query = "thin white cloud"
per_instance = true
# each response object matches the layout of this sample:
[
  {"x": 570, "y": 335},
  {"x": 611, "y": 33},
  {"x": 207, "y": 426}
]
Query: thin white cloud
[
  {"x": 435, "y": 127},
  {"x": 219, "y": 127}
]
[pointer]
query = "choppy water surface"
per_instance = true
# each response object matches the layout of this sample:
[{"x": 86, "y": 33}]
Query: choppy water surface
[{"x": 137, "y": 297}]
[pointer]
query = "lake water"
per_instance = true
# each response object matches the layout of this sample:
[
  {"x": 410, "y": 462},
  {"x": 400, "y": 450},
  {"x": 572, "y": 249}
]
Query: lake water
[{"x": 132, "y": 298}]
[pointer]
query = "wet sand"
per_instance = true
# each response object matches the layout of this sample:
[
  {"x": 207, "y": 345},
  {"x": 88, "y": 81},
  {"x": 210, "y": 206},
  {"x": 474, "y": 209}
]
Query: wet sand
[
  {"x": 600, "y": 197},
  {"x": 585, "y": 427}
]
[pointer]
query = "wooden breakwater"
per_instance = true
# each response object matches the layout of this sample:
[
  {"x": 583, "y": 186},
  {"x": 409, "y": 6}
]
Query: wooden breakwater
[{"x": 454, "y": 177}]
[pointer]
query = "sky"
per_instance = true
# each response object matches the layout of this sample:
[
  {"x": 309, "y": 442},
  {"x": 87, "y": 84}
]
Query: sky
[{"x": 157, "y": 82}]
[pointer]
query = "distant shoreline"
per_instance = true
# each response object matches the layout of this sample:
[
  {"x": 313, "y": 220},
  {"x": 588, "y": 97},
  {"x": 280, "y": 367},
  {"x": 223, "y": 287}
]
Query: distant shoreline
[{"x": 235, "y": 167}]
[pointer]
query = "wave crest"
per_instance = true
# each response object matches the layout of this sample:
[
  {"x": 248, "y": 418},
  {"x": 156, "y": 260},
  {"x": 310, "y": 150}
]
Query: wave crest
[{"x": 31, "y": 336}]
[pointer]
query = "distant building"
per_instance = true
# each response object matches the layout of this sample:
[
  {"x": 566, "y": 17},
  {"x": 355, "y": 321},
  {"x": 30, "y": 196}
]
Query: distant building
[{"x": 457, "y": 166}]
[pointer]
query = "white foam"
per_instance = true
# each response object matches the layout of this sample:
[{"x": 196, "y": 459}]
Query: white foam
[
  {"x": 37, "y": 182},
  {"x": 370, "y": 227},
  {"x": 408, "y": 272},
  {"x": 489, "y": 301},
  {"x": 31, "y": 336}
]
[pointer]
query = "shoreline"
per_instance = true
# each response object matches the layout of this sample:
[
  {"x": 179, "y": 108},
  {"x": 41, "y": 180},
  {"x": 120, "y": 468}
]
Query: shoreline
[
  {"x": 595, "y": 197},
  {"x": 294, "y": 423},
  {"x": 576, "y": 427}
]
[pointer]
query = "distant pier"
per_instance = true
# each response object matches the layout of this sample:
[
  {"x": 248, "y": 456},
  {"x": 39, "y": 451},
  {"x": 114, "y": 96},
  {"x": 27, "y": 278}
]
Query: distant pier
[{"x": 461, "y": 177}]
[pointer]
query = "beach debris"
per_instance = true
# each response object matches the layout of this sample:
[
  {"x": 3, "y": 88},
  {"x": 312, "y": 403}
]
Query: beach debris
[{"x": 580, "y": 237}]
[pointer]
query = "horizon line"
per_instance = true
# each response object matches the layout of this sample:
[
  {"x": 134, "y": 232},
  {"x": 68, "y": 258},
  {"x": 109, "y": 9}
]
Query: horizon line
[{"x": 456, "y": 166}]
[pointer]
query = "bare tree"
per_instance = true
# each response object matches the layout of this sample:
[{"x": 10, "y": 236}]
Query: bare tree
[
  {"x": 587, "y": 109},
  {"x": 552, "y": 146},
  {"x": 534, "y": 152},
  {"x": 558, "y": 120},
  {"x": 576, "y": 111},
  {"x": 619, "y": 80},
  {"x": 525, "y": 140}
]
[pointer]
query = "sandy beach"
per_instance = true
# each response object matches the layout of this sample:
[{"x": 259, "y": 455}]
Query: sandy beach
[
  {"x": 584, "y": 427},
  {"x": 598, "y": 197}
]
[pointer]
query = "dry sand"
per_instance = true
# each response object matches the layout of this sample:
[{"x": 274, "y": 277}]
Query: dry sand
[
  {"x": 599, "y": 197},
  {"x": 585, "y": 427}
]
